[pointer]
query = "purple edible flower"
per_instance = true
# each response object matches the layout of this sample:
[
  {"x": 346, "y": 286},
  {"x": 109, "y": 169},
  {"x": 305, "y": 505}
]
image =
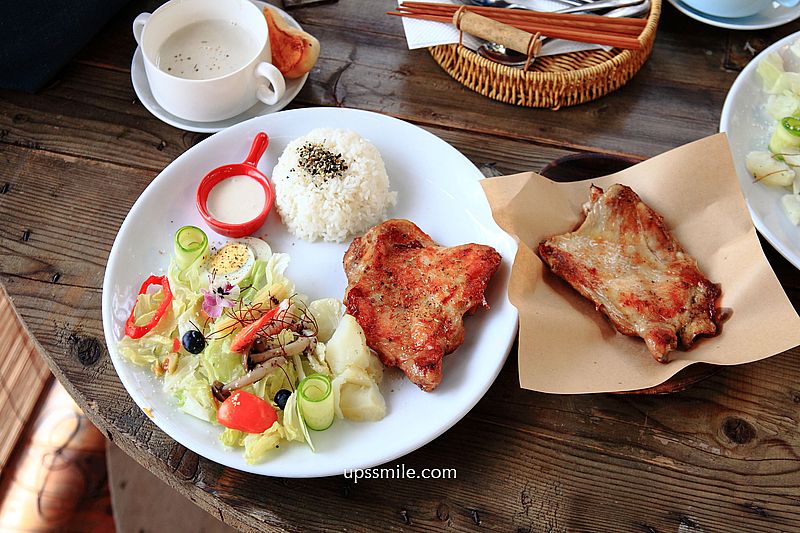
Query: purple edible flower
[{"x": 217, "y": 297}]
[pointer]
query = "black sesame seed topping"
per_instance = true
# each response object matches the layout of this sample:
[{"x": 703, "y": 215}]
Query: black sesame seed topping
[{"x": 320, "y": 163}]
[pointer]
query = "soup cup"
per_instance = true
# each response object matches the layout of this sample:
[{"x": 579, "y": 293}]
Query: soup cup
[{"x": 210, "y": 98}]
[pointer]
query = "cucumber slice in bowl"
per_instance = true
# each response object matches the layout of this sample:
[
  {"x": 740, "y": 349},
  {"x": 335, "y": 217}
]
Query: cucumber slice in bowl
[
  {"x": 315, "y": 401},
  {"x": 786, "y": 136}
]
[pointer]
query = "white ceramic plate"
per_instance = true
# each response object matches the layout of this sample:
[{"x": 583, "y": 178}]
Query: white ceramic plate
[
  {"x": 142, "y": 88},
  {"x": 437, "y": 188},
  {"x": 777, "y": 15},
  {"x": 749, "y": 128}
]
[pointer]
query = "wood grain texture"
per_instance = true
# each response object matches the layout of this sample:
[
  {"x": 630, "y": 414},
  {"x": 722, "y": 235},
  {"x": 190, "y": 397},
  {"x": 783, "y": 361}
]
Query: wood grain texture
[
  {"x": 23, "y": 376},
  {"x": 726, "y": 446},
  {"x": 721, "y": 456},
  {"x": 676, "y": 97}
]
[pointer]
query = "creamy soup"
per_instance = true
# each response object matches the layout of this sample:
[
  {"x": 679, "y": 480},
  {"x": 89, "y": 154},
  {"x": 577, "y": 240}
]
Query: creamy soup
[
  {"x": 236, "y": 200},
  {"x": 206, "y": 49}
]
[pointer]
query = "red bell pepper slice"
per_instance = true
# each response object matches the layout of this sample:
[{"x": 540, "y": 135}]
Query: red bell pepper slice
[
  {"x": 131, "y": 329},
  {"x": 246, "y": 412},
  {"x": 243, "y": 339}
]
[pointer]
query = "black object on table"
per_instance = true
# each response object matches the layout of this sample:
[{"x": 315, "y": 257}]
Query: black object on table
[{"x": 37, "y": 37}]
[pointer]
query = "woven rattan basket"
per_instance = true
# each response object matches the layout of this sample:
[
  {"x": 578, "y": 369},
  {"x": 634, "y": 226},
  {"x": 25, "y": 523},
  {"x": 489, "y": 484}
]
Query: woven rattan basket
[{"x": 553, "y": 81}]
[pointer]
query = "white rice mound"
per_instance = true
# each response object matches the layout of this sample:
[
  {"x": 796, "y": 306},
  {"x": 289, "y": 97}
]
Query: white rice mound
[{"x": 335, "y": 208}]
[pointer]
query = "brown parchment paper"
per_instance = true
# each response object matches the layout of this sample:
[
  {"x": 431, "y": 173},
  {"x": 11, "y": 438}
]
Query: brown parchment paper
[{"x": 566, "y": 346}]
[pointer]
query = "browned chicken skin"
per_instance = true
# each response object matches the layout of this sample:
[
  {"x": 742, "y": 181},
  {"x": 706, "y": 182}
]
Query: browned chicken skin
[
  {"x": 624, "y": 259},
  {"x": 410, "y": 295}
]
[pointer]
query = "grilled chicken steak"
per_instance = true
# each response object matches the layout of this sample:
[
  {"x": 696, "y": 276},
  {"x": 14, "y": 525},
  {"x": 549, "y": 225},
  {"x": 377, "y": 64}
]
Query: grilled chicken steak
[
  {"x": 410, "y": 295},
  {"x": 624, "y": 259}
]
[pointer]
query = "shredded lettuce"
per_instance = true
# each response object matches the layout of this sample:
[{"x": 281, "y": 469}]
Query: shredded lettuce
[
  {"x": 787, "y": 83},
  {"x": 255, "y": 280},
  {"x": 190, "y": 388},
  {"x": 276, "y": 380},
  {"x": 257, "y": 447},
  {"x": 146, "y": 307},
  {"x": 219, "y": 363},
  {"x": 232, "y": 437},
  {"x": 291, "y": 420},
  {"x": 146, "y": 350},
  {"x": 190, "y": 318},
  {"x": 783, "y": 105},
  {"x": 275, "y": 284},
  {"x": 193, "y": 278},
  {"x": 327, "y": 313},
  {"x": 770, "y": 68}
]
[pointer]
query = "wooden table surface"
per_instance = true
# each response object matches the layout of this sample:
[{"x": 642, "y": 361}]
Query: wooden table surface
[{"x": 720, "y": 456}]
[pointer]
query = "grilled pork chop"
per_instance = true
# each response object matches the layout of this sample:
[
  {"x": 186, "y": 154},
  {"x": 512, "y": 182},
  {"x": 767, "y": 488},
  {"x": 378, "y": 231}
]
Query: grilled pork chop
[
  {"x": 624, "y": 259},
  {"x": 410, "y": 295}
]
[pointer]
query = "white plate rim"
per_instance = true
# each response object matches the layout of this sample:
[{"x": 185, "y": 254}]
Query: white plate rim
[
  {"x": 742, "y": 23},
  {"x": 478, "y": 393},
  {"x": 724, "y": 126},
  {"x": 141, "y": 86}
]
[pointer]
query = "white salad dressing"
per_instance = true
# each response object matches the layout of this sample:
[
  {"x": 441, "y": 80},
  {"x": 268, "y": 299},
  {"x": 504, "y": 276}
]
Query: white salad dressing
[
  {"x": 236, "y": 200},
  {"x": 206, "y": 49}
]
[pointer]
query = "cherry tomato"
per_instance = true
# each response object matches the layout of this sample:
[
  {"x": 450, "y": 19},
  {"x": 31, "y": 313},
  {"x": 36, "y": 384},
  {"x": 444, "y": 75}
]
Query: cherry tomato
[{"x": 246, "y": 412}]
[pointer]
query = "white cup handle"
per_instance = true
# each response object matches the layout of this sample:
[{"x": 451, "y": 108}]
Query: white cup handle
[
  {"x": 138, "y": 26},
  {"x": 270, "y": 96}
]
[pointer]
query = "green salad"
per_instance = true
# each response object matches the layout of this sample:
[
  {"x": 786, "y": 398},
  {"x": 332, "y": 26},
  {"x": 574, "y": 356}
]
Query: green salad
[
  {"x": 235, "y": 345},
  {"x": 779, "y": 165}
]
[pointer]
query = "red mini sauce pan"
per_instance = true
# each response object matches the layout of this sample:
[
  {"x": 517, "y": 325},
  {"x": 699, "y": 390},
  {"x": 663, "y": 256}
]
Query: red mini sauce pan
[{"x": 245, "y": 168}]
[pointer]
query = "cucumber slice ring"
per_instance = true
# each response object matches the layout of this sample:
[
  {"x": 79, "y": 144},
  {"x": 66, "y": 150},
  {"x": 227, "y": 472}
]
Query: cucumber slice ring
[
  {"x": 191, "y": 243},
  {"x": 315, "y": 400},
  {"x": 791, "y": 125}
]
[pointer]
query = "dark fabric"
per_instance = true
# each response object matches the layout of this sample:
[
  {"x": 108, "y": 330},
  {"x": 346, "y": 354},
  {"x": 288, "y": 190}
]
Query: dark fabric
[{"x": 38, "y": 37}]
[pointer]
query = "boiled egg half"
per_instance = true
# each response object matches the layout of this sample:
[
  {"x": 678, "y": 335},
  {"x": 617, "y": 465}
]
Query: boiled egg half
[{"x": 234, "y": 261}]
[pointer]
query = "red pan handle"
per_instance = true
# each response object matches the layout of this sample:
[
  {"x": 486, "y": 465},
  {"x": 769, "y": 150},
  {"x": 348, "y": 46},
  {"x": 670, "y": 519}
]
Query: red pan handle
[{"x": 258, "y": 148}]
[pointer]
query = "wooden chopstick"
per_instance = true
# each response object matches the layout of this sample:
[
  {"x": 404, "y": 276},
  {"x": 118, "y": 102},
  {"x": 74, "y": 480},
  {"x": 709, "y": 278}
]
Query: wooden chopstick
[
  {"x": 541, "y": 15},
  {"x": 543, "y": 26},
  {"x": 589, "y": 23},
  {"x": 594, "y": 29},
  {"x": 606, "y": 39}
]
